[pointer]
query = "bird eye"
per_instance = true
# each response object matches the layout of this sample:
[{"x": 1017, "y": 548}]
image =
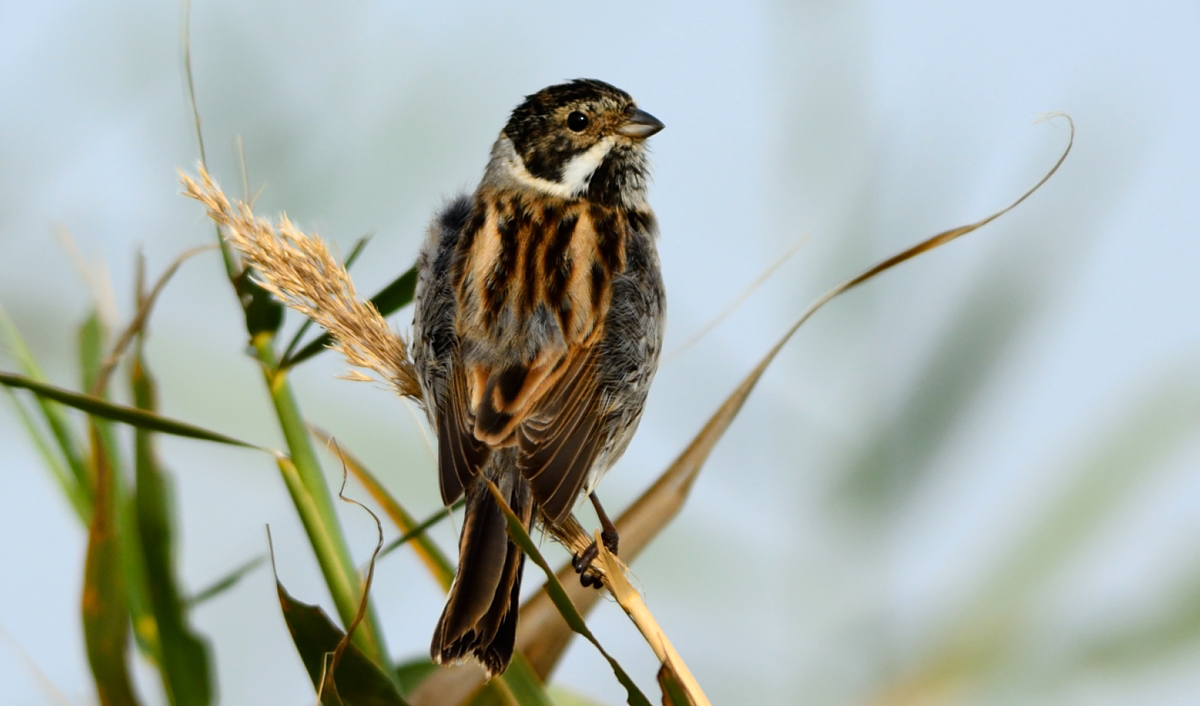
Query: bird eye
[{"x": 577, "y": 121}]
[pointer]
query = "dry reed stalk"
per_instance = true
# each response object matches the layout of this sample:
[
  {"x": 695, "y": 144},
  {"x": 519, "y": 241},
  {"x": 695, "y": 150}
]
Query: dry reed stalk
[{"x": 299, "y": 269}]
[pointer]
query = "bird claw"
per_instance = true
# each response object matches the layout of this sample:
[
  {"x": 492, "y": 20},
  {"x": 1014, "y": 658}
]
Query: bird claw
[
  {"x": 583, "y": 566},
  {"x": 583, "y": 561}
]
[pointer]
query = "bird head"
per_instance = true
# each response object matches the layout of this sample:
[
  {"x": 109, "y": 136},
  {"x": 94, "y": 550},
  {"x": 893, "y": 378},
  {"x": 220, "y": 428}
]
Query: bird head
[{"x": 581, "y": 139}]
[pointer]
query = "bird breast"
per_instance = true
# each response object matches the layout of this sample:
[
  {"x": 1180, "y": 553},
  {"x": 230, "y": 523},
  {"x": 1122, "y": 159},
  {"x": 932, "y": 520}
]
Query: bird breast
[{"x": 536, "y": 273}]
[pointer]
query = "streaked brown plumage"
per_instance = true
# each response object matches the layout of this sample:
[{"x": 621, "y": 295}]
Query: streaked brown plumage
[{"x": 537, "y": 330}]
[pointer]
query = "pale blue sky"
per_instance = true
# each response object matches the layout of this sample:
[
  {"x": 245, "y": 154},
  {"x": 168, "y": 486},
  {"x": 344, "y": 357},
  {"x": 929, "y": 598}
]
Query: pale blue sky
[{"x": 851, "y": 519}]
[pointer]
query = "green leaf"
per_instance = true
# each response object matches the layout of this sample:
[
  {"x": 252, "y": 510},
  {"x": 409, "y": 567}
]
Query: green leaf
[
  {"x": 184, "y": 656},
  {"x": 306, "y": 484},
  {"x": 91, "y": 337},
  {"x": 58, "y": 469},
  {"x": 518, "y": 685},
  {"x": 524, "y": 684},
  {"x": 77, "y": 486},
  {"x": 561, "y": 600},
  {"x": 359, "y": 681},
  {"x": 137, "y": 599},
  {"x": 120, "y": 413},
  {"x": 389, "y": 300},
  {"x": 105, "y": 612},
  {"x": 264, "y": 314},
  {"x": 410, "y": 674},
  {"x": 79, "y": 489},
  {"x": 562, "y": 696},
  {"x": 226, "y": 582}
]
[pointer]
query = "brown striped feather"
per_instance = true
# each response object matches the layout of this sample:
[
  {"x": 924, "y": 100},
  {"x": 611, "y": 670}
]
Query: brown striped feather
[
  {"x": 460, "y": 453},
  {"x": 527, "y": 254}
]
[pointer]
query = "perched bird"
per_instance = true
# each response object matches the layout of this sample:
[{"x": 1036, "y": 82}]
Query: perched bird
[{"x": 539, "y": 319}]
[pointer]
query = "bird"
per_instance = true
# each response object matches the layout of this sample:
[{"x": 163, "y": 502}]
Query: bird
[{"x": 538, "y": 322}]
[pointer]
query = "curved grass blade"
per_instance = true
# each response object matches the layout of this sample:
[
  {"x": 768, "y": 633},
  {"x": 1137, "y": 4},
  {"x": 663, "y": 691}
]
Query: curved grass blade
[
  {"x": 669, "y": 491},
  {"x": 541, "y": 634},
  {"x": 120, "y": 413},
  {"x": 184, "y": 655},
  {"x": 329, "y": 684},
  {"x": 138, "y": 323},
  {"x": 389, "y": 300},
  {"x": 426, "y": 549}
]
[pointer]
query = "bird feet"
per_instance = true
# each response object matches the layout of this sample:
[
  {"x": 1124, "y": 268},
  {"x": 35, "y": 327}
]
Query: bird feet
[{"x": 582, "y": 562}]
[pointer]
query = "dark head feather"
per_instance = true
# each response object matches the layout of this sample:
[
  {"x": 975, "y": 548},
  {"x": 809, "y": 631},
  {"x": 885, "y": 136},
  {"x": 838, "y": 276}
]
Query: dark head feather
[{"x": 540, "y": 131}]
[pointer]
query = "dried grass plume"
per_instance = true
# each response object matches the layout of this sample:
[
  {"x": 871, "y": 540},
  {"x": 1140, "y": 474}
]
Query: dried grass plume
[{"x": 300, "y": 270}]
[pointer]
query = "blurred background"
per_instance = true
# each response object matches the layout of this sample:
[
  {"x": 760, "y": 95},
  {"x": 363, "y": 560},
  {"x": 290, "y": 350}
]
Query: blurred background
[{"x": 973, "y": 480}]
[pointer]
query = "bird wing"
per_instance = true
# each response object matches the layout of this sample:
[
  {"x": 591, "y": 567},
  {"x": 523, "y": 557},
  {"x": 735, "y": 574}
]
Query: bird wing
[
  {"x": 460, "y": 453},
  {"x": 559, "y": 440},
  {"x": 550, "y": 410}
]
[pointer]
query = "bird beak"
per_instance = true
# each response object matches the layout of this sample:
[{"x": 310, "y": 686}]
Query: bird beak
[{"x": 639, "y": 124}]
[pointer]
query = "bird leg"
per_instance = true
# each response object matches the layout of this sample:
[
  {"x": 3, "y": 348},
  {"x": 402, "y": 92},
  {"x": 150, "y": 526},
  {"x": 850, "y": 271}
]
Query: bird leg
[{"x": 608, "y": 535}]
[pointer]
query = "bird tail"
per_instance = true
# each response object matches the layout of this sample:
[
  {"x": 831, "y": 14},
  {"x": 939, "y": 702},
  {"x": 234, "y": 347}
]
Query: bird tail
[{"x": 480, "y": 618}]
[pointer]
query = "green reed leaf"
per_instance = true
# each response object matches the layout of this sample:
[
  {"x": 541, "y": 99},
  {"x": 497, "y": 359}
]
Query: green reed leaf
[
  {"x": 226, "y": 582},
  {"x": 105, "y": 611},
  {"x": 410, "y": 674},
  {"x": 184, "y": 655},
  {"x": 120, "y": 413},
  {"x": 359, "y": 681},
  {"x": 78, "y": 485}
]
